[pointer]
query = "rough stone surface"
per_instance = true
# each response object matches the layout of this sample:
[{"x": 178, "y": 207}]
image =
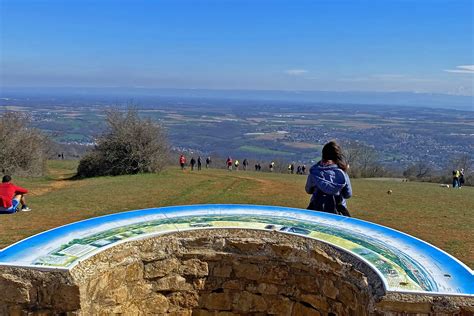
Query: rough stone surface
[{"x": 215, "y": 272}]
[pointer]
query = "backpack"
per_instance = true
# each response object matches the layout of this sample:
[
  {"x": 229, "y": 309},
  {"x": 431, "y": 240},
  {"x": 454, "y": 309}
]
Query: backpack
[{"x": 328, "y": 203}]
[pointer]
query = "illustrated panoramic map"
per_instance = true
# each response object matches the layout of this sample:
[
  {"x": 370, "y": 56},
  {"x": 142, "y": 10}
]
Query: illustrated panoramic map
[{"x": 403, "y": 262}]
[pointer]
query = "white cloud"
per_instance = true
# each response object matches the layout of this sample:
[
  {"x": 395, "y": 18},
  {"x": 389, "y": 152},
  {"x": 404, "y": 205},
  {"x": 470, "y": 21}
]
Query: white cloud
[
  {"x": 466, "y": 69},
  {"x": 296, "y": 72}
]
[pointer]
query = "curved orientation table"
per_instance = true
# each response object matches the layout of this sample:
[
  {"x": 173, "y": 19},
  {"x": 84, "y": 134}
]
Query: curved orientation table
[{"x": 404, "y": 263}]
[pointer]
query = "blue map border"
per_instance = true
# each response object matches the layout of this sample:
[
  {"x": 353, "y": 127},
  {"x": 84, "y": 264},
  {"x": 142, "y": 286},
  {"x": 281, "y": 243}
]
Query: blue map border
[{"x": 434, "y": 262}]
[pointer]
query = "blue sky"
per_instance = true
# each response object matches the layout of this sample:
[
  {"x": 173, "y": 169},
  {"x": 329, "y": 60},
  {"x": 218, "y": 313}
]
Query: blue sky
[{"x": 358, "y": 45}]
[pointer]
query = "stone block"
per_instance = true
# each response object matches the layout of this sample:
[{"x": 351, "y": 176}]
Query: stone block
[
  {"x": 318, "y": 302},
  {"x": 216, "y": 301},
  {"x": 404, "y": 307},
  {"x": 222, "y": 270},
  {"x": 194, "y": 267},
  {"x": 246, "y": 245},
  {"x": 329, "y": 289},
  {"x": 134, "y": 272},
  {"x": 302, "y": 310},
  {"x": 179, "y": 312},
  {"x": 347, "y": 296},
  {"x": 282, "y": 250},
  {"x": 249, "y": 302},
  {"x": 278, "y": 305},
  {"x": 184, "y": 299},
  {"x": 161, "y": 268},
  {"x": 267, "y": 288},
  {"x": 199, "y": 284},
  {"x": 172, "y": 283},
  {"x": 156, "y": 303},
  {"x": 307, "y": 283},
  {"x": 233, "y": 285},
  {"x": 274, "y": 273},
  {"x": 14, "y": 289},
  {"x": 65, "y": 297},
  {"x": 247, "y": 271},
  {"x": 120, "y": 295}
]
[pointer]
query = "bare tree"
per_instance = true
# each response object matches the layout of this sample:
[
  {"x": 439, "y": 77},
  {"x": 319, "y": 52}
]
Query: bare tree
[
  {"x": 464, "y": 161},
  {"x": 420, "y": 170},
  {"x": 23, "y": 150},
  {"x": 362, "y": 160},
  {"x": 130, "y": 145}
]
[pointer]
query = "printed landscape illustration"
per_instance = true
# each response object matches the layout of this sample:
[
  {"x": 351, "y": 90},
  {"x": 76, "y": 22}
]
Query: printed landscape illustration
[{"x": 404, "y": 263}]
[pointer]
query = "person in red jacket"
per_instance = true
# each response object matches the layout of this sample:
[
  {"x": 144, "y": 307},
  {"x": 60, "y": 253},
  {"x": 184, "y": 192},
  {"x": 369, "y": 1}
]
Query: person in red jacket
[
  {"x": 11, "y": 196},
  {"x": 182, "y": 161}
]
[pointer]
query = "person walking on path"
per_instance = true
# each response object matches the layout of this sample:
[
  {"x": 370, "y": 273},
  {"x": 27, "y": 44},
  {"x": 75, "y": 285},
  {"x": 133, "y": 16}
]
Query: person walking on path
[
  {"x": 208, "y": 161},
  {"x": 303, "y": 169},
  {"x": 182, "y": 161},
  {"x": 236, "y": 164},
  {"x": 199, "y": 163},
  {"x": 328, "y": 182},
  {"x": 245, "y": 163},
  {"x": 461, "y": 177},
  {"x": 12, "y": 196},
  {"x": 229, "y": 163},
  {"x": 272, "y": 166},
  {"x": 456, "y": 175},
  {"x": 192, "y": 162}
]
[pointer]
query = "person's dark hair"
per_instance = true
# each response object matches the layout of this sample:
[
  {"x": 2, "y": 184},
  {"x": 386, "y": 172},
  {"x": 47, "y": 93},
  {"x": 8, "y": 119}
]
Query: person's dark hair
[
  {"x": 332, "y": 151},
  {"x": 6, "y": 178}
]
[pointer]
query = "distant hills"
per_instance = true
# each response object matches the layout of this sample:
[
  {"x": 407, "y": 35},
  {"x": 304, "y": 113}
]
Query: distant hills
[{"x": 431, "y": 100}]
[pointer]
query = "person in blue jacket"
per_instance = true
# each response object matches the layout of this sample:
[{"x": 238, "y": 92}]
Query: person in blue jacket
[{"x": 328, "y": 182}]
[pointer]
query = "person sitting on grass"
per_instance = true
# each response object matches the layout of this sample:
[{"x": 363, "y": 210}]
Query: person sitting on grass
[{"x": 11, "y": 196}]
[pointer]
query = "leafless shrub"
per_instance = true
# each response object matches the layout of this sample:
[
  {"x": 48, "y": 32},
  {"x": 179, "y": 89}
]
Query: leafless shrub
[
  {"x": 131, "y": 145},
  {"x": 362, "y": 161},
  {"x": 420, "y": 170},
  {"x": 23, "y": 150}
]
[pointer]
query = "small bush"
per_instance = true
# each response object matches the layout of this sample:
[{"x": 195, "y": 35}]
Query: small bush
[
  {"x": 23, "y": 150},
  {"x": 131, "y": 145}
]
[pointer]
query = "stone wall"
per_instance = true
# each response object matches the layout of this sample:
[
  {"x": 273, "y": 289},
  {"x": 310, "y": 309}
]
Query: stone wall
[{"x": 216, "y": 272}]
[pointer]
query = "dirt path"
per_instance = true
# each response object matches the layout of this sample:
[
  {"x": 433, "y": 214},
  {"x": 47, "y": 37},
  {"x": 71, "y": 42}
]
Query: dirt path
[
  {"x": 53, "y": 186},
  {"x": 59, "y": 180}
]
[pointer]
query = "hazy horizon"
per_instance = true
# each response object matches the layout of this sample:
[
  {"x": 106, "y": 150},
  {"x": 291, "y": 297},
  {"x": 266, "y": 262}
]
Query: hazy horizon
[{"x": 123, "y": 94}]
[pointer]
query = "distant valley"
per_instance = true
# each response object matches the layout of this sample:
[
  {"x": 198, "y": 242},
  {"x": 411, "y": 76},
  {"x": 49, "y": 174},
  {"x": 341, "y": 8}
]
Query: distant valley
[{"x": 260, "y": 129}]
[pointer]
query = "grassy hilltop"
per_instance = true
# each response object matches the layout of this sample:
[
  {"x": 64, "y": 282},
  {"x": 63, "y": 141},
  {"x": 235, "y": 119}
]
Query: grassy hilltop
[{"x": 441, "y": 216}]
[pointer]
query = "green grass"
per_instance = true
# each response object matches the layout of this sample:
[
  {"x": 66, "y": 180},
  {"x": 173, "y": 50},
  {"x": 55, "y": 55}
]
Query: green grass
[
  {"x": 440, "y": 216},
  {"x": 265, "y": 151}
]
